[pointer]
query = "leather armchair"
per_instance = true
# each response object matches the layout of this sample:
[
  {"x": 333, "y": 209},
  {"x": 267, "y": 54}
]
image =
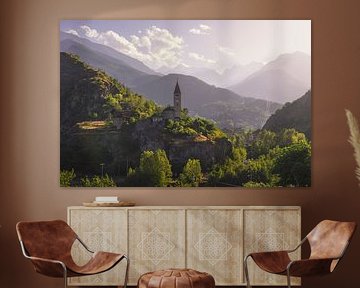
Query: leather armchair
[
  {"x": 48, "y": 246},
  {"x": 328, "y": 242}
]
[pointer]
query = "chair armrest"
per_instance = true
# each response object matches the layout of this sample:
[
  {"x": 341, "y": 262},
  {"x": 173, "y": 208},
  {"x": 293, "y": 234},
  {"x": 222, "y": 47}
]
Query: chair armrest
[
  {"x": 268, "y": 253},
  {"x": 48, "y": 267},
  {"x": 83, "y": 244},
  {"x": 298, "y": 246},
  {"x": 309, "y": 267},
  {"x": 45, "y": 260},
  {"x": 281, "y": 251}
]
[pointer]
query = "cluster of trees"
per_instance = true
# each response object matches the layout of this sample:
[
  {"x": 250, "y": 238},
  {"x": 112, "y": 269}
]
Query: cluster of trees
[
  {"x": 191, "y": 126},
  {"x": 154, "y": 170},
  {"x": 258, "y": 159},
  {"x": 68, "y": 179},
  {"x": 136, "y": 107},
  {"x": 265, "y": 159}
]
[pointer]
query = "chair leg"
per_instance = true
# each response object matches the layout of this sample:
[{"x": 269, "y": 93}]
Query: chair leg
[
  {"x": 288, "y": 278},
  {"x": 65, "y": 276},
  {"x": 246, "y": 272},
  {"x": 127, "y": 271}
]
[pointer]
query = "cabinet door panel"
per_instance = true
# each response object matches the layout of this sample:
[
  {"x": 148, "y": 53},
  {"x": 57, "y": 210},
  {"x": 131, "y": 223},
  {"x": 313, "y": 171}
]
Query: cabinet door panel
[
  {"x": 270, "y": 230},
  {"x": 156, "y": 240},
  {"x": 100, "y": 230},
  {"x": 214, "y": 244}
]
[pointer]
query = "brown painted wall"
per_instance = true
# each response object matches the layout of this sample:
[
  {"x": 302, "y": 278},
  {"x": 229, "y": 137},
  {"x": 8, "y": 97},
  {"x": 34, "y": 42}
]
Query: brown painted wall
[{"x": 29, "y": 119}]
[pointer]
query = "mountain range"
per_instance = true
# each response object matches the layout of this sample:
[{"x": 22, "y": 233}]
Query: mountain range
[
  {"x": 103, "y": 49},
  {"x": 259, "y": 90},
  {"x": 226, "y": 108},
  {"x": 228, "y": 77},
  {"x": 125, "y": 69},
  {"x": 282, "y": 80}
]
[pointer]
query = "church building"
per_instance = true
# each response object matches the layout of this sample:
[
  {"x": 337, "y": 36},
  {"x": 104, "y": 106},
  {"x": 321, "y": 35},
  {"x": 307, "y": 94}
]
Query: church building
[
  {"x": 177, "y": 101},
  {"x": 174, "y": 112}
]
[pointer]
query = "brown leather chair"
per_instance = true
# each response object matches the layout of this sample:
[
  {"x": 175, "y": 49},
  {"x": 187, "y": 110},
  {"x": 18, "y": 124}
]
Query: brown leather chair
[
  {"x": 328, "y": 242},
  {"x": 48, "y": 245}
]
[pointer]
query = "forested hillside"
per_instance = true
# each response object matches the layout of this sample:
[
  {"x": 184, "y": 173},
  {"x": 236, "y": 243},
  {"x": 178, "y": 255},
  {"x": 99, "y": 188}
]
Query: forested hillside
[{"x": 295, "y": 115}]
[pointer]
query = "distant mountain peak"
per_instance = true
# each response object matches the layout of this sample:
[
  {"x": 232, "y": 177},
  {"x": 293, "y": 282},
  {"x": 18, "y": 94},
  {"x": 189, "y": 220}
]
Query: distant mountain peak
[{"x": 283, "y": 79}]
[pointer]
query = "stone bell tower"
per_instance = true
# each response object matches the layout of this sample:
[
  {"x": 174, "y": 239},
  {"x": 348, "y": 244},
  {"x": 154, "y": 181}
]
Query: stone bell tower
[{"x": 177, "y": 101}]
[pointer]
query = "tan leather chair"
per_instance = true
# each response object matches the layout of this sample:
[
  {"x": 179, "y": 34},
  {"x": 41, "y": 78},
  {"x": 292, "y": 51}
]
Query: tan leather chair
[
  {"x": 328, "y": 242},
  {"x": 48, "y": 245}
]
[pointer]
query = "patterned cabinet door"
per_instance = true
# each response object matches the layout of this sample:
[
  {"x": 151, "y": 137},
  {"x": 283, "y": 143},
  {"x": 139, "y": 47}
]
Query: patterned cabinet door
[
  {"x": 214, "y": 244},
  {"x": 269, "y": 230},
  {"x": 156, "y": 240},
  {"x": 100, "y": 230}
]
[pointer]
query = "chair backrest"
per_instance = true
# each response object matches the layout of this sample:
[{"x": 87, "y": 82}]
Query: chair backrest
[
  {"x": 329, "y": 239},
  {"x": 46, "y": 239}
]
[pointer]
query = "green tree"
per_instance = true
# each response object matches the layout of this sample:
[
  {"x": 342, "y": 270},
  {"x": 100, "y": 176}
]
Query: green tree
[
  {"x": 135, "y": 107},
  {"x": 191, "y": 126},
  {"x": 263, "y": 142},
  {"x": 228, "y": 172},
  {"x": 258, "y": 171},
  {"x": 98, "y": 181},
  {"x": 293, "y": 163},
  {"x": 252, "y": 184},
  {"x": 67, "y": 177},
  {"x": 289, "y": 136},
  {"x": 241, "y": 138},
  {"x": 191, "y": 175},
  {"x": 154, "y": 170}
]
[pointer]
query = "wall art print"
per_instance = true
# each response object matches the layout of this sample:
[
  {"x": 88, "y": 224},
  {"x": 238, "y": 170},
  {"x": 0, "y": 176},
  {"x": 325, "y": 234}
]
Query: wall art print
[{"x": 195, "y": 103}]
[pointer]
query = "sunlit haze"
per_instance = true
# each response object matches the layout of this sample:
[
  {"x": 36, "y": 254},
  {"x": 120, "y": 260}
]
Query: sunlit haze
[{"x": 213, "y": 44}]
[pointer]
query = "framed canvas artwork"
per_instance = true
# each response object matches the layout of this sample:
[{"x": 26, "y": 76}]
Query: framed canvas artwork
[{"x": 185, "y": 103}]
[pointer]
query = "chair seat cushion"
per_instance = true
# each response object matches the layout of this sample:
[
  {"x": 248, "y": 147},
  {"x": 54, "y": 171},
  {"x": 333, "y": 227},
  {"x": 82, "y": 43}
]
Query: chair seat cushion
[{"x": 176, "y": 278}]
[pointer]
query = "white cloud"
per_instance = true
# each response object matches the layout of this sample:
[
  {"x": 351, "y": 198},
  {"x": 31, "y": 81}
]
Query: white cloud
[
  {"x": 205, "y": 27},
  {"x": 90, "y": 33},
  {"x": 201, "y": 30},
  {"x": 195, "y": 31},
  {"x": 184, "y": 65},
  {"x": 120, "y": 43},
  {"x": 201, "y": 58},
  {"x": 227, "y": 51},
  {"x": 162, "y": 47},
  {"x": 72, "y": 31},
  {"x": 156, "y": 47},
  {"x": 141, "y": 42}
]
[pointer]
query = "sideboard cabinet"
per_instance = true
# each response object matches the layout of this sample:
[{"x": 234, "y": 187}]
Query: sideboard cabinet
[{"x": 212, "y": 239}]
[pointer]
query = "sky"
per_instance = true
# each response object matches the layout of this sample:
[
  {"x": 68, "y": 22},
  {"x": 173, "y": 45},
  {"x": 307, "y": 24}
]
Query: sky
[{"x": 211, "y": 44}]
